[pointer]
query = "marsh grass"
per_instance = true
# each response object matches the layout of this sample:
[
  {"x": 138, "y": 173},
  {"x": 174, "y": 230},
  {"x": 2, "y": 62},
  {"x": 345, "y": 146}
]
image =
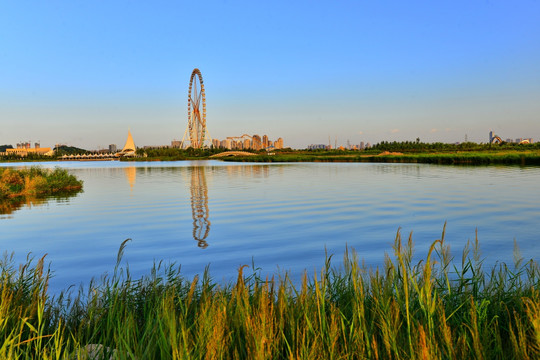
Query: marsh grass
[
  {"x": 31, "y": 186},
  {"x": 438, "y": 308}
]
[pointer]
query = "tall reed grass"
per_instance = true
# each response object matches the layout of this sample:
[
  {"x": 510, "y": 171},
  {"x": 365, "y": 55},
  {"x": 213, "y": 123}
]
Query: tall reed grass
[{"x": 437, "y": 308}]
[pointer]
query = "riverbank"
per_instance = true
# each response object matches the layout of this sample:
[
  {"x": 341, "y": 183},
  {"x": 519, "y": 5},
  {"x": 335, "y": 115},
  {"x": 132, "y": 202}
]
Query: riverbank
[
  {"x": 521, "y": 158},
  {"x": 518, "y": 155},
  {"x": 425, "y": 310}
]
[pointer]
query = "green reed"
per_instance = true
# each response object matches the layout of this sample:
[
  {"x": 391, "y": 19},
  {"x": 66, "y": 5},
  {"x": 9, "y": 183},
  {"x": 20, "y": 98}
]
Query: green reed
[{"x": 437, "y": 308}]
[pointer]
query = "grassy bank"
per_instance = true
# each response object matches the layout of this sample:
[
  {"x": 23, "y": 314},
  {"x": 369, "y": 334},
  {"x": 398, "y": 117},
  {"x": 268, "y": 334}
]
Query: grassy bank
[
  {"x": 521, "y": 158},
  {"x": 33, "y": 185},
  {"x": 36, "y": 181},
  {"x": 438, "y": 308}
]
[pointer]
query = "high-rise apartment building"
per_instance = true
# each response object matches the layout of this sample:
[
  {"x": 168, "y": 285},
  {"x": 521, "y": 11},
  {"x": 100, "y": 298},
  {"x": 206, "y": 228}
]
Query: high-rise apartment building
[
  {"x": 237, "y": 145},
  {"x": 257, "y": 143},
  {"x": 246, "y": 142},
  {"x": 226, "y": 144}
]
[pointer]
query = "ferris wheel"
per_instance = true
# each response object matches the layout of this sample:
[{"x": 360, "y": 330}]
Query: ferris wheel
[{"x": 196, "y": 111}]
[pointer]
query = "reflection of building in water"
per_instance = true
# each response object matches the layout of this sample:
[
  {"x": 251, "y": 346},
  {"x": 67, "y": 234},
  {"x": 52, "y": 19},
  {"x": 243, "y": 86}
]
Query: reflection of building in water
[
  {"x": 256, "y": 171},
  {"x": 131, "y": 174},
  {"x": 199, "y": 206}
]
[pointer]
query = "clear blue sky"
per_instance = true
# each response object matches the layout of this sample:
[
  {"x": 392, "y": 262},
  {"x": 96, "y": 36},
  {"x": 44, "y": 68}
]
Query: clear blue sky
[{"x": 83, "y": 72}]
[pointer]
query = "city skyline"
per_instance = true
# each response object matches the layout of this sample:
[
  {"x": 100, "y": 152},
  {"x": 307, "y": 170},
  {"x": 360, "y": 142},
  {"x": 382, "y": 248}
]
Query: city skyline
[{"x": 82, "y": 74}]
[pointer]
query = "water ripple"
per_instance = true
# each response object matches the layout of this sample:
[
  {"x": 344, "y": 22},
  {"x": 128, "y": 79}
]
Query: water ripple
[{"x": 280, "y": 215}]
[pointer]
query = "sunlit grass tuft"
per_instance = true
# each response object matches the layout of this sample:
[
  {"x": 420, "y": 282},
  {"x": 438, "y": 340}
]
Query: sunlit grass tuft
[
  {"x": 36, "y": 181},
  {"x": 33, "y": 185}
]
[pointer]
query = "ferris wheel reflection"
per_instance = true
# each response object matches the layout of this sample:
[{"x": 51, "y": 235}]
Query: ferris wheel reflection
[{"x": 199, "y": 206}]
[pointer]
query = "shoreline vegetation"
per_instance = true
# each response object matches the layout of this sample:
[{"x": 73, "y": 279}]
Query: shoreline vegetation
[
  {"x": 522, "y": 158},
  {"x": 438, "y": 308},
  {"x": 34, "y": 185},
  {"x": 384, "y": 152}
]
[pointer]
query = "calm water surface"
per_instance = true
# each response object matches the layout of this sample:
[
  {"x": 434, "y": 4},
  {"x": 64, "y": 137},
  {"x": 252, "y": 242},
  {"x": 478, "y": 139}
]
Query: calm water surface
[{"x": 282, "y": 216}]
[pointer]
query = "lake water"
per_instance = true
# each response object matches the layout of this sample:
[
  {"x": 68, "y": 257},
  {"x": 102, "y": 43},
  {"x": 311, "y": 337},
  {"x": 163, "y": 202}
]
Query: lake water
[{"x": 281, "y": 216}]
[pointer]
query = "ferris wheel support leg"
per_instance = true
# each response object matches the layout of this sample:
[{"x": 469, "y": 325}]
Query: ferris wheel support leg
[
  {"x": 209, "y": 137},
  {"x": 183, "y": 138}
]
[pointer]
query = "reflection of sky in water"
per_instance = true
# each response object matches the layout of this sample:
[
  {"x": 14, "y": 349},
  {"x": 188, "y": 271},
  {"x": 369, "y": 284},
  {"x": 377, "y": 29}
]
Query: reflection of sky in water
[{"x": 281, "y": 215}]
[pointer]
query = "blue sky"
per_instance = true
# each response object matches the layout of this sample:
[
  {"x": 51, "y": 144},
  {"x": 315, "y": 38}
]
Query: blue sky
[{"x": 83, "y": 72}]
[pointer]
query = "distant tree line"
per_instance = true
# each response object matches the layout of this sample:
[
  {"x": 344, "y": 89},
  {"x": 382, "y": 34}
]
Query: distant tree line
[
  {"x": 69, "y": 150},
  {"x": 29, "y": 157},
  {"x": 176, "y": 153},
  {"x": 418, "y": 146},
  {"x": 4, "y": 147},
  {"x": 422, "y": 147}
]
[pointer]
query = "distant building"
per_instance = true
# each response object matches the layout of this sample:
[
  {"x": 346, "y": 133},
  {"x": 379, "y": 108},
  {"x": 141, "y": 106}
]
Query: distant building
[
  {"x": 176, "y": 144},
  {"x": 362, "y": 146},
  {"x": 490, "y": 136},
  {"x": 112, "y": 148},
  {"x": 256, "y": 143},
  {"x": 226, "y": 144},
  {"x": 317, "y": 147},
  {"x": 24, "y": 149},
  {"x": 246, "y": 142}
]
